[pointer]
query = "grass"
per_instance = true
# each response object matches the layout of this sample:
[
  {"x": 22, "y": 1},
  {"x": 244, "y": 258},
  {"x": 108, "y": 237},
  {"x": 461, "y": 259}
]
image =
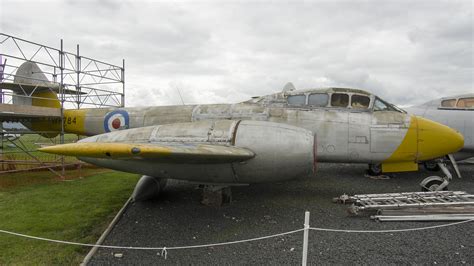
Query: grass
[
  {"x": 15, "y": 180},
  {"x": 16, "y": 159},
  {"x": 33, "y": 141},
  {"x": 78, "y": 210}
]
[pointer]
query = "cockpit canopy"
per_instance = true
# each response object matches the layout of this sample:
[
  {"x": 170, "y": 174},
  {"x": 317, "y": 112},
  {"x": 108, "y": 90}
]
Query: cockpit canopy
[
  {"x": 342, "y": 98},
  {"x": 338, "y": 100}
]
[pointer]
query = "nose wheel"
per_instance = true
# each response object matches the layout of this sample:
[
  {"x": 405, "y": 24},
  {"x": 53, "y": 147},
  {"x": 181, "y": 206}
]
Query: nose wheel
[
  {"x": 437, "y": 183},
  {"x": 434, "y": 183}
]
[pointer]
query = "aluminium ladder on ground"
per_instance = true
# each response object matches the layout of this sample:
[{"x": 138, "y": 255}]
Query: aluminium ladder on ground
[{"x": 411, "y": 202}]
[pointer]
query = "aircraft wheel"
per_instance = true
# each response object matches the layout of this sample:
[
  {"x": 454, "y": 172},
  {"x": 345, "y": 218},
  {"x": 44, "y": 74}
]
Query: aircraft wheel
[
  {"x": 433, "y": 185},
  {"x": 431, "y": 166},
  {"x": 375, "y": 169}
]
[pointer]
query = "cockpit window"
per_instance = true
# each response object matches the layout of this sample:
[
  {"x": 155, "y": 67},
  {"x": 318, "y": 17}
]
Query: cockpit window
[
  {"x": 360, "y": 102},
  {"x": 318, "y": 99},
  {"x": 380, "y": 105},
  {"x": 466, "y": 102},
  {"x": 448, "y": 103},
  {"x": 297, "y": 100},
  {"x": 339, "y": 100}
]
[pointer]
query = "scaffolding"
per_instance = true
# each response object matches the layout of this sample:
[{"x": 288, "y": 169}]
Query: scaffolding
[{"x": 79, "y": 81}]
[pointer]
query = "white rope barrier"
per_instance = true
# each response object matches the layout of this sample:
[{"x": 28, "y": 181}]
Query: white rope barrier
[
  {"x": 389, "y": 231},
  {"x": 149, "y": 248},
  {"x": 164, "y": 249}
]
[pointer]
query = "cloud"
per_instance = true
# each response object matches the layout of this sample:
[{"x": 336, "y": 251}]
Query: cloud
[{"x": 406, "y": 52}]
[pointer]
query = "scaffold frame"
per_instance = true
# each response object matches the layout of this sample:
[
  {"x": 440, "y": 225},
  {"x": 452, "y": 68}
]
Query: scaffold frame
[{"x": 97, "y": 84}]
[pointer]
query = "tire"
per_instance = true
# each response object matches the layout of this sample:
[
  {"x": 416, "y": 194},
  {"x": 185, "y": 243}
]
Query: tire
[
  {"x": 433, "y": 185},
  {"x": 431, "y": 166}
]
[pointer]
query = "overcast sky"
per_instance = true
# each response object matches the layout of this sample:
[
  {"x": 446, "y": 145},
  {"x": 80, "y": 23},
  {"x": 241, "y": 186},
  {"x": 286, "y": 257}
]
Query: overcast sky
[{"x": 407, "y": 52}]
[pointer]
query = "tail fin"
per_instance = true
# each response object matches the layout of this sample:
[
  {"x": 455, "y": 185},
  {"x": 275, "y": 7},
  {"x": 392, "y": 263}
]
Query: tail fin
[
  {"x": 31, "y": 87},
  {"x": 43, "y": 90}
]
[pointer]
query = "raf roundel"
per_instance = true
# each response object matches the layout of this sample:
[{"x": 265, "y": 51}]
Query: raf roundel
[{"x": 116, "y": 120}]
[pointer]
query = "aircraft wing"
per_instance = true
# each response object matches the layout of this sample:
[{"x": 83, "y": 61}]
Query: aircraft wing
[
  {"x": 162, "y": 152},
  {"x": 21, "y": 88}
]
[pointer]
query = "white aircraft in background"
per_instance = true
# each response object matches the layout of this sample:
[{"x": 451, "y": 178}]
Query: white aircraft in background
[
  {"x": 8, "y": 128},
  {"x": 456, "y": 112}
]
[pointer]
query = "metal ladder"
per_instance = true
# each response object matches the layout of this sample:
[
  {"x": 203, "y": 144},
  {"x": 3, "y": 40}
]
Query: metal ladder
[{"x": 438, "y": 202}]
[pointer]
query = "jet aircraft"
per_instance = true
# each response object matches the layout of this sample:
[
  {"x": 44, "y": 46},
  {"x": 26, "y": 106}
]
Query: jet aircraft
[{"x": 267, "y": 138}]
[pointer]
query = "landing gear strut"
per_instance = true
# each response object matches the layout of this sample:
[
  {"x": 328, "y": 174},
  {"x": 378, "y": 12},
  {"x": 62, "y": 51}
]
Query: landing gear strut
[
  {"x": 374, "y": 169},
  {"x": 431, "y": 166},
  {"x": 436, "y": 183},
  {"x": 215, "y": 196}
]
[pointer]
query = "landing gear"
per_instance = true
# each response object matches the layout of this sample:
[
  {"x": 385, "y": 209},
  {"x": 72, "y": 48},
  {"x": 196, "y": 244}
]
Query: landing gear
[
  {"x": 431, "y": 166},
  {"x": 436, "y": 183},
  {"x": 215, "y": 196},
  {"x": 148, "y": 188},
  {"x": 374, "y": 169}
]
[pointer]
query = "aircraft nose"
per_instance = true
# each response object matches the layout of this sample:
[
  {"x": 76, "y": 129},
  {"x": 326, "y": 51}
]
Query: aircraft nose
[{"x": 436, "y": 140}]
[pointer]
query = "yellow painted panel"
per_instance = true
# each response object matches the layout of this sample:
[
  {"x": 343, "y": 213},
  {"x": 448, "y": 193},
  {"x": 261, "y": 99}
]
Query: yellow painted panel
[
  {"x": 171, "y": 152},
  {"x": 48, "y": 99},
  {"x": 408, "y": 149},
  {"x": 436, "y": 140},
  {"x": 74, "y": 121},
  {"x": 426, "y": 140},
  {"x": 47, "y": 125},
  {"x": 399, "y": 167},
  {"x": 106, "y": 150}
]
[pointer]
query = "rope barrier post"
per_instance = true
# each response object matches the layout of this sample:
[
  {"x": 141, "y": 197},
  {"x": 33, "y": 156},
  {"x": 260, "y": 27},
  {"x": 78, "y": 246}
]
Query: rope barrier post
[{"x": 305, "y": 239}]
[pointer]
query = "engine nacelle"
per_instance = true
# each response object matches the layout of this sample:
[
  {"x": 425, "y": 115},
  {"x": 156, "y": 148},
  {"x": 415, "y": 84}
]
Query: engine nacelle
[{"x": 282, "y": 152}]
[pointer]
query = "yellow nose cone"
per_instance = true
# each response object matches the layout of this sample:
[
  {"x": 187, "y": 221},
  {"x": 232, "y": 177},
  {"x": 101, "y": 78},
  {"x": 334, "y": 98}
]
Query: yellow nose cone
[{"x": 436, "y": 140}]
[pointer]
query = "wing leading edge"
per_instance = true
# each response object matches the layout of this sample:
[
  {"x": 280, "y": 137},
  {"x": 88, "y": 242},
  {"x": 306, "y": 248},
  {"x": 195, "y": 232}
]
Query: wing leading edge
[{"x": 162, "y": 152}]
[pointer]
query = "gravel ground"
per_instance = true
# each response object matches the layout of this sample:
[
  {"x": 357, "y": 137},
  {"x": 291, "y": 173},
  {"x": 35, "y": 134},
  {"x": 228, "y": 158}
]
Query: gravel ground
[{"x": 177, "y": 219}]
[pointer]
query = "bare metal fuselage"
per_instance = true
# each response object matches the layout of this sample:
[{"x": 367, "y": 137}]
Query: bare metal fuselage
[
  {"x": 343, "y": 135},
  {"x": 287, "y": 137}
]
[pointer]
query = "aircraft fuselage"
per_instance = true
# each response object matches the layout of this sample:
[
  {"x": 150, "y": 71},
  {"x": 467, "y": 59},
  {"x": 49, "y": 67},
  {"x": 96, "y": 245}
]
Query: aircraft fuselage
[{"x": 349, "y": 135}]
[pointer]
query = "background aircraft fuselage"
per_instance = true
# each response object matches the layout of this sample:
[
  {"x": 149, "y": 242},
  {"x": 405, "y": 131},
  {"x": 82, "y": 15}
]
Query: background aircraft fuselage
[{"x": 459, "y": 118}]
